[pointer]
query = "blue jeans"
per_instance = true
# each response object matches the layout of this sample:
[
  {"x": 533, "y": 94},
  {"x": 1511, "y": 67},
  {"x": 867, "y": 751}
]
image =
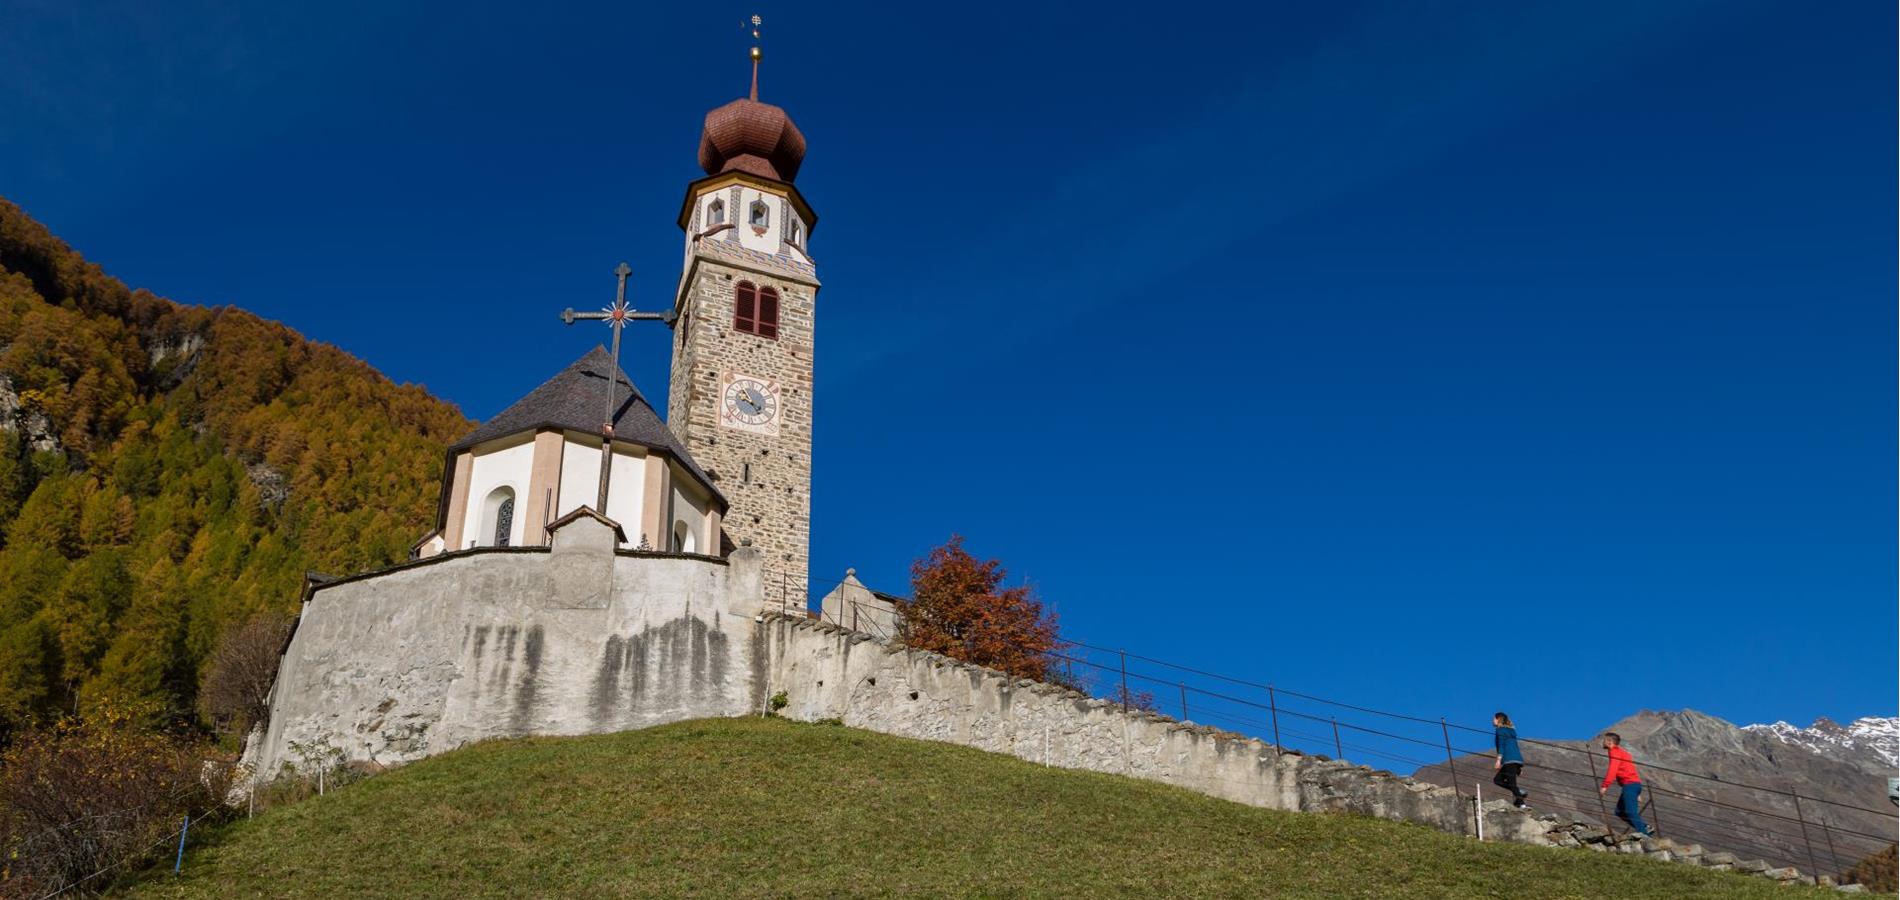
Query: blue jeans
[{"x": 1629, "y": 807}]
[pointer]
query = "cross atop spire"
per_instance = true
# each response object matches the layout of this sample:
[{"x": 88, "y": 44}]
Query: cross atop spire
[{"x": 756, "y": 22}]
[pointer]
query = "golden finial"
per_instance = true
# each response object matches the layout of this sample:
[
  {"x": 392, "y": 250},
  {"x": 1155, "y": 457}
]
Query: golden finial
[{"x": 756, "y": 22}]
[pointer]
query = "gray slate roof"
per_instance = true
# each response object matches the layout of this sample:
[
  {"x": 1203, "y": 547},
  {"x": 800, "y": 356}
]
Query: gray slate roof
[{"x": 574, "y": 400}]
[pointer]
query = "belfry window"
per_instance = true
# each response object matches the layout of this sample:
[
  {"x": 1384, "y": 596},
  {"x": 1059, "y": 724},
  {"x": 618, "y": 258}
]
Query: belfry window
[
  {"x": 716, "y": 213},
  {"x": 793, "y": 233},
  {"x": 755, "y": 309},
  {"x": 759, "y": 216}
]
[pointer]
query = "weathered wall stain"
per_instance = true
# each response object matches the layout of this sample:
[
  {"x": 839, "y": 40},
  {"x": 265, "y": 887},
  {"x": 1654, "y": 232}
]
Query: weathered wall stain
[
  {"x": 685, "y": 661},
  {"x": 525, "y": 692}
]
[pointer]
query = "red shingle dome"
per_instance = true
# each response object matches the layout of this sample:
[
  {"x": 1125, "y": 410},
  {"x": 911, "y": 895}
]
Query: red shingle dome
[{"x": 753, "y": 137}]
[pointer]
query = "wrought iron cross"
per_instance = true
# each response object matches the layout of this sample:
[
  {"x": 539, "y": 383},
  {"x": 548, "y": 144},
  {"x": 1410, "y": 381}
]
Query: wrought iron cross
[{"x": 616, "y": 316}]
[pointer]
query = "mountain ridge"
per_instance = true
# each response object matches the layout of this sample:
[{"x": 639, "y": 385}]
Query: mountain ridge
[{"x": 1875, "y": 735}]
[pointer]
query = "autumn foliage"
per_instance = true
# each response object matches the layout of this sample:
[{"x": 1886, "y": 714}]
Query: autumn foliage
[
  {"x": 959, "y": 608},
  {"x": 168, "y": 472}
]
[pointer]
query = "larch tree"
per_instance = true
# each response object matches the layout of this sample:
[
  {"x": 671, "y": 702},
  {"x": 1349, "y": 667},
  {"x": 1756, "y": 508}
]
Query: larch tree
[{"x": 959, "y": 608}]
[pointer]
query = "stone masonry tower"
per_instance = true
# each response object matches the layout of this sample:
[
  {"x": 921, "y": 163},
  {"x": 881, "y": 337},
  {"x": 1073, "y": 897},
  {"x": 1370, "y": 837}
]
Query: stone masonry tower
[{"x": 741, "y": 391}]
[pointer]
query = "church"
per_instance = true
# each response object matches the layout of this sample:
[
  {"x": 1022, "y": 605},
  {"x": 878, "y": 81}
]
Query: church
[{"x": 592, "y": 567}]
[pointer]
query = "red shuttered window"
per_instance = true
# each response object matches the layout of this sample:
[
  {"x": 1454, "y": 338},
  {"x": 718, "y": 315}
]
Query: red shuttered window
[
  {"x": 755, "y": 310},
  {"x": 745, "y": 307}
]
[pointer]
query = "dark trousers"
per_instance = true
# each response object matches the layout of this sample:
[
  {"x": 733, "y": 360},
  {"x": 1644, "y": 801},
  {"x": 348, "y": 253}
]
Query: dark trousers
[
  {"x": 1629, "y": 807},
  {"x": 1506, "y": 778}
]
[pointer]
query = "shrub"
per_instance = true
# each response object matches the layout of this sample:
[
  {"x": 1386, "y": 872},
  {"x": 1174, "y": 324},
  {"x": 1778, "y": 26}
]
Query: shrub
[
  {"x": 79, "y": 797},
  {"x": 1876, "y": 871},
  {"x": 235, "y": 695}
]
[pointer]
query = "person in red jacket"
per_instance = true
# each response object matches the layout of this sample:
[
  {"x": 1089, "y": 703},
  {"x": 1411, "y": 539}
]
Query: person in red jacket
[{"x": 1623, "y": 772}]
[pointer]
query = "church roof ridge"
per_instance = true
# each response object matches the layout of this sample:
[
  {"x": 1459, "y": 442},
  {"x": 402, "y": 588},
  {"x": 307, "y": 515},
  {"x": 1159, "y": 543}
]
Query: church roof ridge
[{"x": 573, "y": 399}]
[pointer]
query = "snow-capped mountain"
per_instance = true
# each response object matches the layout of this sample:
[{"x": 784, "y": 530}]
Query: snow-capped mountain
[{"x": 1872, "y": 735}]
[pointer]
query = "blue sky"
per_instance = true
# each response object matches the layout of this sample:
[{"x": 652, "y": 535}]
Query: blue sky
[{"x": 1438, "y": 357}]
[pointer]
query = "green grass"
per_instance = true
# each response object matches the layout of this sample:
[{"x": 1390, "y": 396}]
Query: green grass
[{"x": 757, "y": 807}]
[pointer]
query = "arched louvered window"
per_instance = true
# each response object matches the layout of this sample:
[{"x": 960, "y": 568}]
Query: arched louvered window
[{"x": 755, "y": 309}]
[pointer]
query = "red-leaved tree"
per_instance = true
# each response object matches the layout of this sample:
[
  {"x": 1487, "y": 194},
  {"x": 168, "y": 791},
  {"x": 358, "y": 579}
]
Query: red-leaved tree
[{"x": 959, "y": 608}]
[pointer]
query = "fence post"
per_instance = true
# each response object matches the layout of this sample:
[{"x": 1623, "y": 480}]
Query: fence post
[
  {"x": 1477, "y": 807},
  {"x": 1273, "y": 709},
  {"x": 1833, "y": 857},
  {"x": 1812, "y": 865},
  {"x": 1605, "y": 810},
  {"x": 1124, "y": 655},
  {"x": 1184, "y": 713},
  {"x": 180, "y": 863},
  {"x": 1339, "y": 749},
  {"x": 1449, "y": 761}
]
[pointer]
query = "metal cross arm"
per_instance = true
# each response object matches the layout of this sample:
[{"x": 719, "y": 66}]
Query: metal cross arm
[
  {"x": 616, "y": 316},
  {"x": 570, "y": 316}
]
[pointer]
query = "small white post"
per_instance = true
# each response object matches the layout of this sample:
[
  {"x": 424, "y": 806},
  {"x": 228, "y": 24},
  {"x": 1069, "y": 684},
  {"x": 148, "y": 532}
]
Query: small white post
[
  {"x": 1045, "y": 745},
  {"x": 1480, "y": 806}
]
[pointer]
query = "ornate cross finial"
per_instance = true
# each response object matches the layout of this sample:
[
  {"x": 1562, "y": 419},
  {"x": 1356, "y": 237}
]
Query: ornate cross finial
[
  {"x": 616, "y": 316},
  {"x": 756, "y": 22}
]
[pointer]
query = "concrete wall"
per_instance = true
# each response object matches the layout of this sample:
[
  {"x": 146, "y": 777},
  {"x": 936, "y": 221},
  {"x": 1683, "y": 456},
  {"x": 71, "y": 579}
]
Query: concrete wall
[
  {"x": 409, "y": 662},
  {"x": 829, "y": 672}
]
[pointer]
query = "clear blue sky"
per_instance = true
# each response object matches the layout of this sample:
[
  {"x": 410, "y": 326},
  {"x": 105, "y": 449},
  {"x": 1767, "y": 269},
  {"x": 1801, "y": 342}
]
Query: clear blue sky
[{"x": 1442, "y": 357}]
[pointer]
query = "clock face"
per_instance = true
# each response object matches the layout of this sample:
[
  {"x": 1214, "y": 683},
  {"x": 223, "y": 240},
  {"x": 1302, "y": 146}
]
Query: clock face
[{"x": 750, "y": 404}]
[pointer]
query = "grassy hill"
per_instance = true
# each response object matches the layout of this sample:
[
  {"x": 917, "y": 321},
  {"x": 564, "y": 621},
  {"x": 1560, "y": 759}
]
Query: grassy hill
[{"x": 756, "y": 807}]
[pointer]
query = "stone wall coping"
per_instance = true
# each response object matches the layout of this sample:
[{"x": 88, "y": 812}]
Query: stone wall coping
[{"x": 314, "y": 585}]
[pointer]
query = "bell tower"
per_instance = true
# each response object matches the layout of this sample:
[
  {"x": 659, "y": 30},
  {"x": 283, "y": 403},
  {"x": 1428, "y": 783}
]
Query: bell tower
[{"x": 740, "y": 397}]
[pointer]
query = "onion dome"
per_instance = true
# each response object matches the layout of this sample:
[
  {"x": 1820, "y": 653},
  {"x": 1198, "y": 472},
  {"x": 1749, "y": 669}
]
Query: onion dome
[{"x": 748, "y": 136}]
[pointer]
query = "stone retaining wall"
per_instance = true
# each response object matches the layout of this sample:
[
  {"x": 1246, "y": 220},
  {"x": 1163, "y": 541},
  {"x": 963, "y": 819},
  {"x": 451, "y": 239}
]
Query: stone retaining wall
[
  {"x": 829, "y": 672},
  {"x": 397, "y": 665}
]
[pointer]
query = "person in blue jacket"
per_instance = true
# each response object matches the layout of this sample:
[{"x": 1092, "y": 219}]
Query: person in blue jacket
[{"x": 1510, "y": 760}]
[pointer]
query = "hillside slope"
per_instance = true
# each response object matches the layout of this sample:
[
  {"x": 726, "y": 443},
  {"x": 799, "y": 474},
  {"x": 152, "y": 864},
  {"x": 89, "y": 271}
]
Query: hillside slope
[
  {"x": 759, "y": 807},
  {"x": 167, "y": 471}
]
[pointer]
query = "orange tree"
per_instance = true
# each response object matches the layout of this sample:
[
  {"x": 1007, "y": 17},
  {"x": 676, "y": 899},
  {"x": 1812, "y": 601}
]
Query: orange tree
[{"x": 959, "y": 608}]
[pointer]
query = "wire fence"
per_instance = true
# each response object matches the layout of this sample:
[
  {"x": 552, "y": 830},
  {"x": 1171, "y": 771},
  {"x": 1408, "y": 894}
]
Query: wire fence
[
  {"x": 88, "y": 829},
  {"x": 1774, "y": 823}
]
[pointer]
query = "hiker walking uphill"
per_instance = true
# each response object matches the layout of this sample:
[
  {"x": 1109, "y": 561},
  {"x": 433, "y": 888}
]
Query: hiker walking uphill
[
  {"x": 1510, "y": 760},
  {"x": 1623, "y": 772}
]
